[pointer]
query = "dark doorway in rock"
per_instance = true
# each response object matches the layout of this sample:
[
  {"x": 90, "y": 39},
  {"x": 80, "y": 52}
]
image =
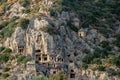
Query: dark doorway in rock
[
  {"x": 38, "y": 57},
  {"x": 72, "y": 75},
  {"x": 20, "y": 49},
  {"x": 38, "y": 50},
  {"x": 71, "y": 61},
  {"x": 68, "y": 55},
  {"x": 44, "y": 57},
  {"x": 54, "y": 72},
  {"x": 72, "y": 70}
]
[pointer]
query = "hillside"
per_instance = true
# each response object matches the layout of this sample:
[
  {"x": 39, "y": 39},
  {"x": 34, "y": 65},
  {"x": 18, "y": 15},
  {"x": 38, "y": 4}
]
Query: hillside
[{"x": 59, "y": 40}]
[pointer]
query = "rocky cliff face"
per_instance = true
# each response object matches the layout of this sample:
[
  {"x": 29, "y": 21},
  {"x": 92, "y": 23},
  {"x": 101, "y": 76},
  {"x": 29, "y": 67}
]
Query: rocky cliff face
[
  {"x": 96, "y": 75},
  {"x": 56, "y": 44},
  {"x": 59, "y": 49}
]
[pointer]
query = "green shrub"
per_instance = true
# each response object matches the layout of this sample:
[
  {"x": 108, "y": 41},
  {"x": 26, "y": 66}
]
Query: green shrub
[
  {"x": 57, "y": 76},
  {"x": 22, "y": 59},
  {"x": 13, "y": 19},
  {"x": 26, "y": 11},
  {"x": 48, "y": 29},
  {"x": 86, "y": 51},
  {"x": 104, "y": 44},
  {"x": 4, "y": 57},
  {"x": 100, "y": 53},
  {"x": 84, "y": 65},
  {"x": 53, "y": 12},
  {"x": 23, "y": 23},
  {"x": 35, "y": 9},
  {"x": 2, "y": 48},
  {"x": 2, "y": 1},
  {"x": 6, "y": 69},
  {"x": 101, "y": 68},
  {"x": 114, "y": 59},
  {"x": 117, "y": 60},
  {"x": 88, "y": 58},
  {"x": 58, "y": 5},
  {"x": 95, "y": 56},
  {"x": 40, "y": 78},
  {"x": 72, "y": 27},
  {"x": 4, "y": 24},
  {"x": 97, "y": 61},
  {"x": 117, "y": 42},
  {"x": 111, "y": 59},
  {"x": 5, "y": 75},
  {"x": 7, "y": 32},
  {"x": 112, "y": 72},
  {"x": 24, "y": 3},
  {"x": 7, "y": 50}
]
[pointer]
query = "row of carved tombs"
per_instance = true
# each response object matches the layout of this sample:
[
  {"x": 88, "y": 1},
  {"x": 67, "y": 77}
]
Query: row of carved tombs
[{"x": 47, "y": 58}]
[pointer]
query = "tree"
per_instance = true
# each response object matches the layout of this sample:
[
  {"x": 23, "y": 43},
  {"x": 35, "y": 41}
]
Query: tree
[
  {"x": 5, "y": 75},
  {"x": 4, "y": 57},
  {"x": 40, "y": 78},
  {"x": 23, "y": 23},
  {"x": 24, "y": 3},
  {"x": 101, "y": 68},
  {"x": 58, "y": 76}
]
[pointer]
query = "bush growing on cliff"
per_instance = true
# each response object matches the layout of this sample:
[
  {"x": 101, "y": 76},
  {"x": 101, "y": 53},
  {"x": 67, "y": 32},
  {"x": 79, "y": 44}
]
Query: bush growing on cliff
[
  {"x": 7, "y": 50},
  {"x": 101, "y": 68},
  {"x": 97, "y": 61},
  {"x": 117, "y": 42},
  {"x": 84, "y": 66},
  {"x": 114, "y": 59},
  {"x": 13, "y": 19},
  {"x": 5, "y": 75},
  {"x": 6, "y": 69},
  {"x": 2, "y": 48},
  {"x": 57, "y": 76},
  {"x": 27, "y": 10},
  {"x": 112, "y": 72},
  {"x": 40, "y": 78},
  {"x": 4, "y": 57},
  {"x": 88, "y": 58},
  {"x": 72, "y": 27},
  {"x": 7, "y": 32},
  {"x": 2, "y": 1},
  {"x": 48, "y": 29},
  {"x": 53, "y": 12},
  {"x": 4, "y": 24},
  {"x": 22, "y": 59},
  {"x": 24, "y": 3},
  {"x": 23, "y": 23}
]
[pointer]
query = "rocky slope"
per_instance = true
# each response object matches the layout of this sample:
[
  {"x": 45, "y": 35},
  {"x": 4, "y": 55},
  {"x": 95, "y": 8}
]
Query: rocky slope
[{"x": 58, "y": 41}]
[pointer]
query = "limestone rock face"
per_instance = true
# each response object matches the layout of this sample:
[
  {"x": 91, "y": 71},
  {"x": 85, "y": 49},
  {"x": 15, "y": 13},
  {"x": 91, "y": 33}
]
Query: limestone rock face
[
  {"x": 55, "y": 40},
  {"x": 19, "y": 36},
  {"x": 16, "y": 10},
  {"x": 17, "y": 40},
  {"x": 40, "y": 24},
  {"x": 93, "y": 75},
  {"x": 56, "y": 47}
]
